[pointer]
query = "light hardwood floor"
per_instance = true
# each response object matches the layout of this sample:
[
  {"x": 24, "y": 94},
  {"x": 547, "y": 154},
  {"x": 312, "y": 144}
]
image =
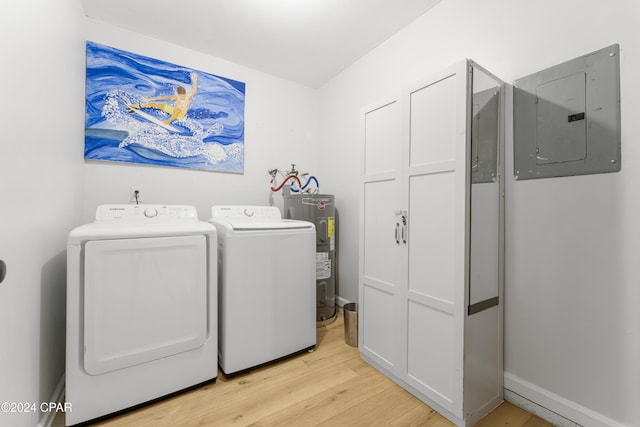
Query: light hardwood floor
[{"x": 330, "y": 386}]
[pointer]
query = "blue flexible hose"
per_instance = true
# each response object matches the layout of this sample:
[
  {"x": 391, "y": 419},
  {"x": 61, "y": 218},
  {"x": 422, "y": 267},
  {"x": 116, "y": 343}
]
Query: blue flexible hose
[{"x": 311, "y": 177}]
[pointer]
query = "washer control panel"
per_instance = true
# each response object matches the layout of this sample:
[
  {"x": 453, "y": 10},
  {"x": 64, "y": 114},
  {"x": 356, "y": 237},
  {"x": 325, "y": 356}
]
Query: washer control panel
[
  {"x": 251, "y": 213},
  {"x": 146, "y": 213}
]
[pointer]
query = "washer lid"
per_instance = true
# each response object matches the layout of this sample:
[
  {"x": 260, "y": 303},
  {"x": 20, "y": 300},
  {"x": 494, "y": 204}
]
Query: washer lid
[
  {"x": 254, "y": 218},
  {"x": 240, "y": 224}
]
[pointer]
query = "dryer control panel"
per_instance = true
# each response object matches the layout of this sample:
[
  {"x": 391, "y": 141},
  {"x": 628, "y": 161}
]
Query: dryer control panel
[{"x": 146, "y": 213}]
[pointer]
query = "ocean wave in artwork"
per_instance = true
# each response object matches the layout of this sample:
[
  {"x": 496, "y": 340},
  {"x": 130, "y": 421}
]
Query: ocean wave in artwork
[{"x": 157, "y": 143}]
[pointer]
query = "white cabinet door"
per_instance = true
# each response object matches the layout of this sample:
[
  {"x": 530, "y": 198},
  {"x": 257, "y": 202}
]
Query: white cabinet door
[
  {"x": 380, "y": 242},
  {"x": 429, "y": 270},
  {"x": 436, "y": 196}
]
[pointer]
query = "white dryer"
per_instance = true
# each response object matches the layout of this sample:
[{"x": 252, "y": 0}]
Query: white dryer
[
  {"x": 266, "y": 282},
  {"x": 141, "y": 307}
]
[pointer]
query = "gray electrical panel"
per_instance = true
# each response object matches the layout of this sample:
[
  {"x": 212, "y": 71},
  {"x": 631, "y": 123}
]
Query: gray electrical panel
[{"x": 567, "y": 118}]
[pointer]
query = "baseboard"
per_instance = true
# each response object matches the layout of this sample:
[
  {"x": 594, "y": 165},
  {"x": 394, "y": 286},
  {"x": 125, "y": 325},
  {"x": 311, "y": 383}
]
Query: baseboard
[
  {"x": 341, "y": 301},
  {"x": 555, "y": 409},
  {"x": 58, "y": 396},
  {"x": 540, "y": 411}
]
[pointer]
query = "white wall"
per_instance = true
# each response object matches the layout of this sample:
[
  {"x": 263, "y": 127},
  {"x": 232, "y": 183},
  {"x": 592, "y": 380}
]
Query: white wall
[
  {"x": 571, "y": 320},
  {"x": 40, "y": 185},
  {"x": 281, "y": 128}
]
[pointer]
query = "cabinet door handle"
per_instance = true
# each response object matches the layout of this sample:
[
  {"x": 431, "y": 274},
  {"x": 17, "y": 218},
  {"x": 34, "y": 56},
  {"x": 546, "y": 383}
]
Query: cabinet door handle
[
  {"x": 397, "y": 230},
  {"x": 404, "y": 228}
]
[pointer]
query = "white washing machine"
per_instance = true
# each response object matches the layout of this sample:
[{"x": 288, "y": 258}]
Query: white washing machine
[
  {"x": 266, "y": 283},
  {"x": 141, "y": 307}
]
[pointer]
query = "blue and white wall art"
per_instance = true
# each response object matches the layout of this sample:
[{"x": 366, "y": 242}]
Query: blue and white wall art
[{"x": 143, "y": 110}]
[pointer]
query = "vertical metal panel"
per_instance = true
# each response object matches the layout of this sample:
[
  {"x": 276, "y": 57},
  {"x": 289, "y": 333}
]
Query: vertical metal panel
[{"x": 563, "y": 127}]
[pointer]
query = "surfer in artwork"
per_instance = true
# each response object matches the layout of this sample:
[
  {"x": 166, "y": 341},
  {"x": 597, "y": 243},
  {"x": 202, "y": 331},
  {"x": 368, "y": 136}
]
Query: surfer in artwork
[{"x": 181, "y": 101}]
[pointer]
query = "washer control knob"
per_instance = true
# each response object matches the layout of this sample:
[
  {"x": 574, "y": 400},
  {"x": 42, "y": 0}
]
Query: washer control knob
[
  {"x": 150, "y": 212},
  {"x": 249, "y": 212}
]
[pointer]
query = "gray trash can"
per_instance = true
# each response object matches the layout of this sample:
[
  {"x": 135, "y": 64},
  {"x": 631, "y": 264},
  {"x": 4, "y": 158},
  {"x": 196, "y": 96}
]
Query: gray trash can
[{"x": 351, "y": 323}]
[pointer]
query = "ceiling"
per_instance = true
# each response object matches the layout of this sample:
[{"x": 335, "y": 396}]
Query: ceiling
[{"x": 306, "y": 41}]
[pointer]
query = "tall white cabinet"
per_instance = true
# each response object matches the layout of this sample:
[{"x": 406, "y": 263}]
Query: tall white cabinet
[{"x": 431, "y": 241}]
